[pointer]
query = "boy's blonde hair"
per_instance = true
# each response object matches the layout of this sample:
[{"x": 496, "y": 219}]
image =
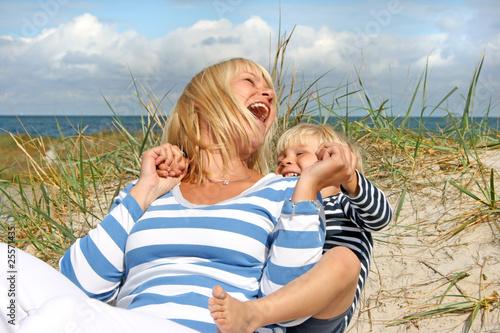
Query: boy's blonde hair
[
  {"x": 209, "y": 95},
  {"x": 299, "y": 134}
]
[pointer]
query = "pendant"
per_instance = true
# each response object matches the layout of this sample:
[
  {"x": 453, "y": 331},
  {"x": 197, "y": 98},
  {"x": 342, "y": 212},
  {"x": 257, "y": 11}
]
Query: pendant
[{"x": 225, "y": 182}]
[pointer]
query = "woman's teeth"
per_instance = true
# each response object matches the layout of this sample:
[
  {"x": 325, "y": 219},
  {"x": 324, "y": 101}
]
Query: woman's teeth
[
  {"x": 259, "y": 110},
  {"x": 292, "y": 174}
]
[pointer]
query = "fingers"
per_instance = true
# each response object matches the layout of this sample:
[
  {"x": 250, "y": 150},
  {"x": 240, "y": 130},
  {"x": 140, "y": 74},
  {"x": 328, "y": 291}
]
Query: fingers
[
  {"x": 168, "y": 155},
  {"x": 329, "y": 149},
  {"x": 337, "y": 150},
  {"x": 162, "y": 168},
  {"x": 336, "y": 164},
  {"x": 170, "y": 161}
]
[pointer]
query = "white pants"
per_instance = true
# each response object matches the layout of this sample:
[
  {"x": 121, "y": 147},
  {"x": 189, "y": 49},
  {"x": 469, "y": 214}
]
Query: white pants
[{"x": 36, "y": 298}]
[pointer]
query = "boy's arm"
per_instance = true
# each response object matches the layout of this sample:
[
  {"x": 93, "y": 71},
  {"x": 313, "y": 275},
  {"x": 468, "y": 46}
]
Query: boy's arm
[{"x": 369, "y": 208}]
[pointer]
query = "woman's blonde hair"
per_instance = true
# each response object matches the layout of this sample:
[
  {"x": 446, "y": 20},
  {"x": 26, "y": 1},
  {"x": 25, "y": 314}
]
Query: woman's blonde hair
[
  {"x": 299, "y": 134},
  {"x": 209, "y": 95}
]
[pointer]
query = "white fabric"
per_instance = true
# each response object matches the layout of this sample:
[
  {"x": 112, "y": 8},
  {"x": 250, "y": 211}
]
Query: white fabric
[{"x": 47, "y": 302}]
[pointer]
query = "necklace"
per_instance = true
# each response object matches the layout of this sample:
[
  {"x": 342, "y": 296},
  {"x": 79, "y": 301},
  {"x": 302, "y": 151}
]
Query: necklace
[{"x": 226, "y": 181}]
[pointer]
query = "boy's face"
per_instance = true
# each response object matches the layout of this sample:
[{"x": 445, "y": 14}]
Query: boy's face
[{"x": 293, "y": 160}]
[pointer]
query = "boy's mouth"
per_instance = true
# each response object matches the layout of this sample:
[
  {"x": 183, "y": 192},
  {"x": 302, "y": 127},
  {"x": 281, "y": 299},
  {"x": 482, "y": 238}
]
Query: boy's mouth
[
  {"x": 291, "y": 174},
  {"x": 260, "y": 110}
]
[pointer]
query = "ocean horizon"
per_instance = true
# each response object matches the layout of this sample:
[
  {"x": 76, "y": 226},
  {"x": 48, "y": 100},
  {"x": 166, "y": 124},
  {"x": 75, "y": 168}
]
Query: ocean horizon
[{"x": 57, "y": 126}]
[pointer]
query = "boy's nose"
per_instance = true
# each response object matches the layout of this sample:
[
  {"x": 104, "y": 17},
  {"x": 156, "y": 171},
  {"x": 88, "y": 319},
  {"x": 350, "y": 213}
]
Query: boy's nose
[{"x": 286, "y": 160}]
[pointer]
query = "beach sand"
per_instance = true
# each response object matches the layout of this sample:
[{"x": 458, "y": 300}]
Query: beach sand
[{"x": 416, "y": 260}]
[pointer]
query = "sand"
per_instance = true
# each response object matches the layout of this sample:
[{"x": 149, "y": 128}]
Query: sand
[{"x": 416, "y": 259}]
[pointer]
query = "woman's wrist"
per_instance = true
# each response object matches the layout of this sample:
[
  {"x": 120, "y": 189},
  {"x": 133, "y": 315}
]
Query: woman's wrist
[
  {"x": 306, "y": 189},
  {"x": 142, "y": 195},
  {"x": 352, "y": 187}
]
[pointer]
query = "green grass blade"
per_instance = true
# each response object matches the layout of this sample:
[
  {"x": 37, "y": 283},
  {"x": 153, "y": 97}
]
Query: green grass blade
[
  {"x": 400, "y": 204},
  {"x": 439, "y": 310},
  {"x": 457, "y": 277},
  {"x": 82, "y": 176},
  {"x": 465, "y": 191},
  {"x": 492, "y": 189}
]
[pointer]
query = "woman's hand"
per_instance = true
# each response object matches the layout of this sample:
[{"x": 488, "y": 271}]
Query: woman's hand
[
  {"x": 162, "y": 168},
  {"x": 336, "y": 166},
  {"x": 343, "y": 164}
]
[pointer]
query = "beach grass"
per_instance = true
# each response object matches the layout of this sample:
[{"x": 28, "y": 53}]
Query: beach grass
[{"x": 54, "y": 190}]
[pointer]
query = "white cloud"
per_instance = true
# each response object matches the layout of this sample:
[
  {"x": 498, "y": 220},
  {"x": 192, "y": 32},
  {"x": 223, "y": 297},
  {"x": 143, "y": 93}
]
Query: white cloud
[{"x": 65, "y": 69}]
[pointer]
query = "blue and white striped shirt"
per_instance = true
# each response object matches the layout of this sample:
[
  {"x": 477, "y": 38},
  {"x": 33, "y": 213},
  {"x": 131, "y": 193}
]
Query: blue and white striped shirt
[{"x": 166, "y": 260}]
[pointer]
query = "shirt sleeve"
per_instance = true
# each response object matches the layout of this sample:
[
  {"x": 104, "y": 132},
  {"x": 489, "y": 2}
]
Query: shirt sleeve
[
  {"x": 297, "y": 246},
  {"x": 370, "y": 209},
  {"x": 95, "y": 263}
]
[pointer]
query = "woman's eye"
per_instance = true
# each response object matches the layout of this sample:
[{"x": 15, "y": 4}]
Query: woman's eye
[{"x": 249, "y": 80}]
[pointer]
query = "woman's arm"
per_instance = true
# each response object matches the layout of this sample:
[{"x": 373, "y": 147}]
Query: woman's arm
[
  {"x": 95, "y": 263},
  {"x": 161, "y": 169},
  {"x": 297, "y": 246}
]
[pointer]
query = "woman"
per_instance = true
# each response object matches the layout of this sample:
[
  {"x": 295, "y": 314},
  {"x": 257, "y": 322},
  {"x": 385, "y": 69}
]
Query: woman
[{"x": 163, "y": 247}]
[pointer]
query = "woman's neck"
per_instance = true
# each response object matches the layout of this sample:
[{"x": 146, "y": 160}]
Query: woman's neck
[
  {"x": 220, "y": 184},
  {"x": 236, "y": 168}
]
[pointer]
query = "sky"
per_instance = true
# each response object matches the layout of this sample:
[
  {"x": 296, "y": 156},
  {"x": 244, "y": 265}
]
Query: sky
[{"x": 64, "y": 57}]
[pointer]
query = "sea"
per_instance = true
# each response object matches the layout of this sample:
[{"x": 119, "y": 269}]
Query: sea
[{"x": 57, "y": 126}]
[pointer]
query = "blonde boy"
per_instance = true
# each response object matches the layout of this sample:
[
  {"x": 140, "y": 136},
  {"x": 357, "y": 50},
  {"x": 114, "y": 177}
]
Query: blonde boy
[{"x": 329, "y": 292}]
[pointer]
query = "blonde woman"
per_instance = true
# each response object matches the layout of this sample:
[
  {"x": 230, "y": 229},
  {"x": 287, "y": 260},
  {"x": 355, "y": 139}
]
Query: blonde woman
[{"x": 215, "y": 217}]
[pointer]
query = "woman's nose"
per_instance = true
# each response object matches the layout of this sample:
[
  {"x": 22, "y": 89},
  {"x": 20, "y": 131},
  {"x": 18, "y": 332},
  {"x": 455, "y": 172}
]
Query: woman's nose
[{"x": 268, "y": 93}]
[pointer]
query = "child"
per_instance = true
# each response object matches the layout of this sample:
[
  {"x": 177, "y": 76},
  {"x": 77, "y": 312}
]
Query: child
[{"x": 330, "y": 291}]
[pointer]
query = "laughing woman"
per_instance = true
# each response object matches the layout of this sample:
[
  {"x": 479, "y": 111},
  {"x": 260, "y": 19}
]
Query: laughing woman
[{"x": 188, "y": 224}]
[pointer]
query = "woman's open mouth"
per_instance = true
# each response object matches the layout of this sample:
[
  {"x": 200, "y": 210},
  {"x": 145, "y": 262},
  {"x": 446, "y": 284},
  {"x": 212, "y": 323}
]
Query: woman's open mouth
[{"x": 260, "y": 110}]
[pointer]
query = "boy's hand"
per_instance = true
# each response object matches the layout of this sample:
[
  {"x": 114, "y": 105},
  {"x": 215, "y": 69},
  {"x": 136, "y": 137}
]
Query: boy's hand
[{"x": 162, "y": 168}]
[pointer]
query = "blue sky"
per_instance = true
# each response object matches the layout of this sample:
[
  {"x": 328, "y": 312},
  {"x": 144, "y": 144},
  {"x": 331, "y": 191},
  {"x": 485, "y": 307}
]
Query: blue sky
[{"x": 63, "y": 56}]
